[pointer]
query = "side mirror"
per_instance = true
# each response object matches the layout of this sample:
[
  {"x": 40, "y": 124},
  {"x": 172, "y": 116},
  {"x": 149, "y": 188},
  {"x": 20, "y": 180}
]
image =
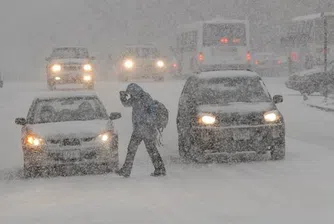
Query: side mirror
[
  {"x": 115, "y": 116},
  {"x": 278, "y": 99},
  {"x": 20, "y": 121}
]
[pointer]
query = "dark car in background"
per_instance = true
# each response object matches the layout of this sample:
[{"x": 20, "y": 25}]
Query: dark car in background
[{"x": 229, "y": 112}]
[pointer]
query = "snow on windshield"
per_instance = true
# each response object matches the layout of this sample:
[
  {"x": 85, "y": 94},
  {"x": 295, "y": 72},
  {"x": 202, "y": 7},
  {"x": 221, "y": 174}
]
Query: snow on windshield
[
  {"x": 69, "y": 53},
  {"x": 67, "y": 109},
  {"x": 229, "y": 90}
]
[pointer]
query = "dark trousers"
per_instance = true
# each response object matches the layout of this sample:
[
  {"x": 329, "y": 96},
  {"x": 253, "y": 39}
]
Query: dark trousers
[{"x": 152, "y": 150}]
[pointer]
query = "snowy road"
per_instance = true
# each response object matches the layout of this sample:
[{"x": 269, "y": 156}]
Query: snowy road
[{"x": 299, "y": 189}]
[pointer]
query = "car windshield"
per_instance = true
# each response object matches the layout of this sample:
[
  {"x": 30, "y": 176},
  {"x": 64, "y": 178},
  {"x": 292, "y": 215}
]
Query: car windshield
[
  {"x": 142, "y": 52},
  {"x": 67, "y": 109},
  {"x": 60, "y": 53},
  {"x": 231, "y": 90}
]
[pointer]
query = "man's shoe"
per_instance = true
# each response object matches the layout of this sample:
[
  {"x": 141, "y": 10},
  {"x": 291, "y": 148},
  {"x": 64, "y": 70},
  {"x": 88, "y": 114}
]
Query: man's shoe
[
  {"x": 122, "y": 173},
  {"x": 158, "y": 173}
]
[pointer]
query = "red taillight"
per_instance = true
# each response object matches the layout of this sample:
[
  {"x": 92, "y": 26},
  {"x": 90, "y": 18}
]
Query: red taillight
[
  {"x": 248, "y": 56},
  {"x": 224, "y": 40},
  {"x": 279, "y": 62},
  {"x": 256, "y": 62},
  {"x": 174, "y": 65},
  {"x": 236, "y": 41},
  {"x": 294, "y": 56},
  {"x": 201, "y": 57}
]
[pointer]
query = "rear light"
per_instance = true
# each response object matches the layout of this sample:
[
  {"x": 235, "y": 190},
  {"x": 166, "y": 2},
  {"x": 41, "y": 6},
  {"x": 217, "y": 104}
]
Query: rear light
[
  {"x": 236, "y": 41},
  {"x": 279, "y": 62},
  {"x": 224, "y": 40},
  {"x": 294, "y": 56},
  {"x": 256, "y": 62},
  {"x": 248, "y": 56},
  {"x": 174, "y": 65},
  {"x": 200, "y": 56}
]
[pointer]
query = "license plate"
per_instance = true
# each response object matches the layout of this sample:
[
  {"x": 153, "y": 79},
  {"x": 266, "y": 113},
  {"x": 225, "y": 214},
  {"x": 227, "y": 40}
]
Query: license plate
[
  {"x": 241, "y": 135},
  {"x": 71, "y": 154}
]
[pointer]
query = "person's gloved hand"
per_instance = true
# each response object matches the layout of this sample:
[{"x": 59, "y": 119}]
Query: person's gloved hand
[{"x": 123, "y": 95}]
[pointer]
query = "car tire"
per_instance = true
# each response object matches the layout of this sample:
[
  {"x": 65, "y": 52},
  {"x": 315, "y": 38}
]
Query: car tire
[
  {"x": 31, "y": 172},
  {"x": 183, "y": 152},
  {"x": 278, "y": 151},
  {"x": 114, "y": 165}
]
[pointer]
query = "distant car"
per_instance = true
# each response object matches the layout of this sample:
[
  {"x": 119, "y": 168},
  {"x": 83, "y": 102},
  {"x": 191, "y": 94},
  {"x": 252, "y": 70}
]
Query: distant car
[
  {"x": 68, "y": 65},
  {"x": 269, "y": 64},
  {"x": 228, "y": 112},
  {"x": 141, "y": 61},
  {"x": 68, "y": 129}
]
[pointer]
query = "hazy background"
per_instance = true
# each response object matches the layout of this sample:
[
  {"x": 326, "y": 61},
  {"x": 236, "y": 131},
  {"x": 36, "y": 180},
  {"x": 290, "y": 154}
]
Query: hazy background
[{"x": 29, "y": 29}]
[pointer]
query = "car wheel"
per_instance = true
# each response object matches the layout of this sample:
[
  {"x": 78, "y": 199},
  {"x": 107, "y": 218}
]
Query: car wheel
[
  {"x": 31, "y": 172},
  {"x": 114, "y": 165},
  {"x": 183, "y": 152},
  {"x": 278, "y": 151}
]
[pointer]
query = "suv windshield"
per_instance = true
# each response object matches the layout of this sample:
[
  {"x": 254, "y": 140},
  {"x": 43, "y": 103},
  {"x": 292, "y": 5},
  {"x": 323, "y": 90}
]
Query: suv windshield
[
  {"x": 231, "y": 90},
  {"x": 60, "y": 53},
  {"x": 141, "y": 52},
  {"x": 67, "y": 109}
]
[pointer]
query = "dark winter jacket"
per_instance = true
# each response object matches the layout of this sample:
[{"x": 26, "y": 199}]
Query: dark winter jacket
[{"x": 142, "y": 117}]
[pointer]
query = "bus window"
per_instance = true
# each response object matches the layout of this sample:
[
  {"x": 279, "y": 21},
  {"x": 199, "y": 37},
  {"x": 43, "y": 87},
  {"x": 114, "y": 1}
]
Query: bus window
[{"x": 225, "y": 34}]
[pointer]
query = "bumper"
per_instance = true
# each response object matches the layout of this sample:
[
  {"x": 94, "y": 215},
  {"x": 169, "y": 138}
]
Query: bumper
[
  {"x": 65, "y": 78},
  {"x": 260, "y": 138},
  {"x": 83, "y": 156}
]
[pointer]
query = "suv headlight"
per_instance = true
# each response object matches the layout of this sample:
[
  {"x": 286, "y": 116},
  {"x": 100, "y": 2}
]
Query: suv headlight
[
  {"x": 128, "y": 64},
  {"x": 272, "y": 116},
  {"x": 160, "y": 64},
  {"x": 56, "y": 68},
  {"x": 33, "y": 140},
  {"x": 105, "y": 137},
  {"x": 88, "y": 67},
  {"x": 207, "y": 119}
]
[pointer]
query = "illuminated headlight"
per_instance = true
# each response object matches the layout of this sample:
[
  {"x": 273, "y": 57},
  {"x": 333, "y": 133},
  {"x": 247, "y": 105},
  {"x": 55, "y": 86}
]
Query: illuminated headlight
[
  {"x": 105, "y": 137},
  {"x": 33, "y": 140},
  {"x": 160, "y": 64},
  {"x": 56, "y": 68},
  {"x": 87, "y": 78},
  {"x": 57, "y": 78},
  {"x": 128, "y": 64},
  {"x": 207, "y": 119},
  {"x": 271, "y": 116},
  {"x": 88, "y": 68}
]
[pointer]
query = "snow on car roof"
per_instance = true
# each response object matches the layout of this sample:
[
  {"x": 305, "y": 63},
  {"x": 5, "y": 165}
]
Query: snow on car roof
[
  {"x": 312, "y": 16},
  {"x": 64, "y": 94},
  {"x": 226, "y": 74}
]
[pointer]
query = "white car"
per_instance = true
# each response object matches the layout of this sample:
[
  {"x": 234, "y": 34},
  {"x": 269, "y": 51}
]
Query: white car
[{"x": 68, "y": 129}]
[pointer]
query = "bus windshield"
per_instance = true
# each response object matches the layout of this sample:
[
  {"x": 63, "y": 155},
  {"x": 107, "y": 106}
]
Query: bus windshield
[{"x": 230, "y": 34}]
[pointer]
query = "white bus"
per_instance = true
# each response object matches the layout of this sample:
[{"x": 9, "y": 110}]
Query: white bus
[
  {"x": 213, "y": 45},
  {"x": 305, "y": 41}
]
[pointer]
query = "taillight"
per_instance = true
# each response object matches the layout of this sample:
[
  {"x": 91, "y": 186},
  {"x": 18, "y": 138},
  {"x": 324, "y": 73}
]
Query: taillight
[
  {"x": 248, "y": 56},
  {"x": 200, "y": 56},
  {"x": 294, "y": 56},
  {"x": 256, "y": 62},
  {"x": 174, "y": 65},
  {"x": 279, "y": 62},
  {"x": 224, "y": 40}
]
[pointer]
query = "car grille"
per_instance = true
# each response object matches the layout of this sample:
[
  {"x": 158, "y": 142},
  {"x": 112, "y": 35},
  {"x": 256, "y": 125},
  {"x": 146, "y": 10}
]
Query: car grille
[
  {"x": 235, "y": 119},
  {"x": 72, "y": 67},
  {"x": 71, "y": 142}
]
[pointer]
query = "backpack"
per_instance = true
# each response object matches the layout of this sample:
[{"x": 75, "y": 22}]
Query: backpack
[{"x": 161, "y": 115}]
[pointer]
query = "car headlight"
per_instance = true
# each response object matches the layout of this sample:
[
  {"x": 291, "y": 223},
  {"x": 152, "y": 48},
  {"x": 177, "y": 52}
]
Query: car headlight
[
  {"x": 87, "y": 78},
  {"x": 207, "y": 119},
  {"x": 105, "y": 137},
  {"x": 160, "y": 64},
  {"x": 271, "y": 116},
  {"x": 56, "y": 68},
  {"x": 88, "y": 67},
  {"x": 33, "y": 140},
  {"x": 128, "y": 64}
]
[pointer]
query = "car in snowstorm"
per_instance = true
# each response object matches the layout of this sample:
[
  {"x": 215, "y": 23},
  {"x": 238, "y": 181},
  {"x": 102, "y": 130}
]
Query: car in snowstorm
[
  {"x": 269, "y": 64},
  {"x": 66, "y": 130},
  {"x": 70, "y": 65},
  {"x": 141, "y": 61},
  {"x": 222, "y": 113}
]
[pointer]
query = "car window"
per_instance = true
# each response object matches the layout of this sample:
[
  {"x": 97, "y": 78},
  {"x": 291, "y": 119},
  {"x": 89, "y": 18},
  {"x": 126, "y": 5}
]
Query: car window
[{"x": 67, "y": 109}]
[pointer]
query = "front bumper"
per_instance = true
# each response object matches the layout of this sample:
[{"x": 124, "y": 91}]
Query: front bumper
[
  {"x": 73, "y": 77},
  {"x": 143, "y": 73},
  {"x": 60, "y": 156},
  {"x": 259, "y": 138}
]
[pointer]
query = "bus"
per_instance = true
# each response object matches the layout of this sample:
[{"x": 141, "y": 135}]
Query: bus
[
  {"x": 216, "y": 44},
  {"x": 305, "y": 41}
]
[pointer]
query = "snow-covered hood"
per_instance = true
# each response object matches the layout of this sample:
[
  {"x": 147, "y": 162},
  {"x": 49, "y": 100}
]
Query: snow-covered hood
[
  {"x": 80, "y": 129},
  {"x": 242, "y": 108},
  {"x": 70, "y": 61}
]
